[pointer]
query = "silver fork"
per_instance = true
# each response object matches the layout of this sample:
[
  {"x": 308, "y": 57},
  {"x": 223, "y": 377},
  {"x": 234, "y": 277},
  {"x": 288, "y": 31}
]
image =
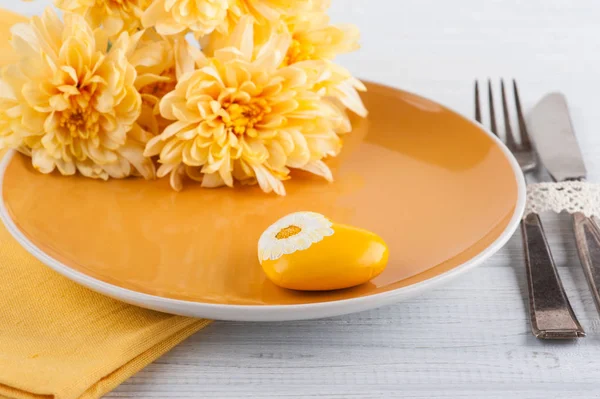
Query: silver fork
[{"x": 550, "y": 312}]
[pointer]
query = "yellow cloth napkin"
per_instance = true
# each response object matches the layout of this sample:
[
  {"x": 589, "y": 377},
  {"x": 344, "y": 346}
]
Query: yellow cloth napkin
[{"x": 60, "y": 340}]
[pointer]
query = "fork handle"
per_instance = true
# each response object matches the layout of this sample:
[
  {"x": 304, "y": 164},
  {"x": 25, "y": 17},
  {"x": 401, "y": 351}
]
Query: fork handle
[
  {"x": 549, "y": 309},
  {"x": 587, "y": 236}
]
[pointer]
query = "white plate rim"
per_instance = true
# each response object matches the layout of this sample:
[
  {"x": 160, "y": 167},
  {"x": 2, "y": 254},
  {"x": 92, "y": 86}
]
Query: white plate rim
[{"x": 274, "y": 312}]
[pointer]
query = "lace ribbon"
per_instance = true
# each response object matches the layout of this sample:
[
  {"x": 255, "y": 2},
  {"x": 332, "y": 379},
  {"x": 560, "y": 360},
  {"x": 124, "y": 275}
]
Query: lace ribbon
[{"x": 572, "y": 197}]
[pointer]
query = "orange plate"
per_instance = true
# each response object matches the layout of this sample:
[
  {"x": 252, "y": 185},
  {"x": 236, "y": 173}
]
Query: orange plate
[{"x": 440, "y": 190}]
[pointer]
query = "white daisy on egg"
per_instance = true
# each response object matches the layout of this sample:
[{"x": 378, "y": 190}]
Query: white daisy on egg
[{"x": 294, "y": 232}]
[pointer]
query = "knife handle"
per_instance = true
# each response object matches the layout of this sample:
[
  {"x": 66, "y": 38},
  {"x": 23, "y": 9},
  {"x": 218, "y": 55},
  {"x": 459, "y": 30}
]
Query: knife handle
[
  {"x": 587, "y": 236},
  {"x": 549, "y": 309}
]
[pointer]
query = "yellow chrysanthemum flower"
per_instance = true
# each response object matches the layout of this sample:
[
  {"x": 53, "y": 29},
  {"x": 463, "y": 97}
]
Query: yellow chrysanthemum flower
[
  {"x": 12, "y": 123},
  {"x": 312, "y": 38},
  {"x": 340, "y": 89},
  {"x": 157, "y": 59},
  {"x": 264, "y": 12},
  {"x": 115, "y": 16},
  {"x": 242, "y": 117},
  {"x": 71, "y": 104},
  {"x": 171, "y": 17},
  {"x": 205, "y": 16}
]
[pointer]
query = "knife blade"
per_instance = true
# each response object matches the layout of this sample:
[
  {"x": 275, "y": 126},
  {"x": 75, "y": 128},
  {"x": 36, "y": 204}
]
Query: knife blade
[{"x": 554, "y": 138}]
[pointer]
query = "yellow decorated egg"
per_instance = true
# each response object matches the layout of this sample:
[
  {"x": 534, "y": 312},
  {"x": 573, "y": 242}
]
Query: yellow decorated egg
[{"x": 306, "y": 251}]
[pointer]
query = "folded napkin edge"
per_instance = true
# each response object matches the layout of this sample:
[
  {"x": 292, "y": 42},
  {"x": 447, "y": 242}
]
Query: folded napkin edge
[{"x": 114, "y": 378}]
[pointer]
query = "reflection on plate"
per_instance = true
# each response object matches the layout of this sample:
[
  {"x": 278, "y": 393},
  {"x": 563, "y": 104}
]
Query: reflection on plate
[{"x": 442, "y": 192}]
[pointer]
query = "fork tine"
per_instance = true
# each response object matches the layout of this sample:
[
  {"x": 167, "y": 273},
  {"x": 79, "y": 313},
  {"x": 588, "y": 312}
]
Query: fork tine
[
  {"x": 525, "y": 141},
  {"x": 493, "y": 126},
  {"x": 477, "y": 106},
  {"x": 510, "y": 138}
]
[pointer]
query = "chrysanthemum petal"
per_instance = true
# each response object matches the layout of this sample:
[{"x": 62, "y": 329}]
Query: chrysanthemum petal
[
  {"x": 212, "y": 180},
  {"x": 318, "y": 168}
]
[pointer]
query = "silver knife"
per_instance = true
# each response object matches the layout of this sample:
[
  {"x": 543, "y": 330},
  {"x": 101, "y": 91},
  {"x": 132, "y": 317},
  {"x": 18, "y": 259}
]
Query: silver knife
[{"x": 552, "y": 132}]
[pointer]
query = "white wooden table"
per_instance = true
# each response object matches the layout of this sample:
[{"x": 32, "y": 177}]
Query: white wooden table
[{"x": 470, "y": 338}]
